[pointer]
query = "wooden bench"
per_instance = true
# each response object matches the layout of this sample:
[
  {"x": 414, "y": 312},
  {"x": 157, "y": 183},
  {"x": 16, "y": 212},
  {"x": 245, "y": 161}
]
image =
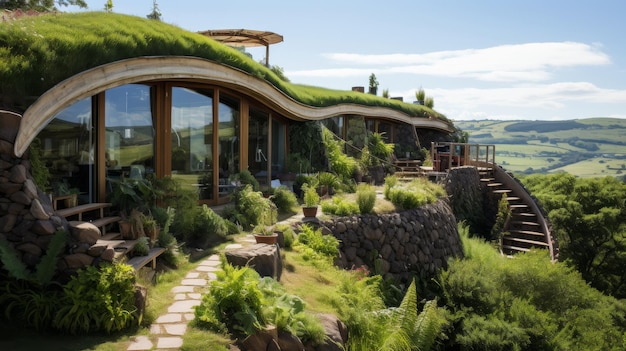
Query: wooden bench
[
  {"x": 140, "y": 261},
  {"x": 80, "y": 209}
]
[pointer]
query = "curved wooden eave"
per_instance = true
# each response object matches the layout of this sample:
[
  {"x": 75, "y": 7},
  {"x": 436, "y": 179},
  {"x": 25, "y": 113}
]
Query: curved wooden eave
[{"x": 154, "y": 68}]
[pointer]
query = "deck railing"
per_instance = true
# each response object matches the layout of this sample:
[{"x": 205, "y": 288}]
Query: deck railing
[{"x": 446, "y": 155}]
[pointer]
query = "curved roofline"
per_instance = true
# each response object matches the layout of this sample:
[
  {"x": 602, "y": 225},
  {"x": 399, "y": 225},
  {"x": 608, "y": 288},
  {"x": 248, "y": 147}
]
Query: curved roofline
[{"x": 154, "y": 68}]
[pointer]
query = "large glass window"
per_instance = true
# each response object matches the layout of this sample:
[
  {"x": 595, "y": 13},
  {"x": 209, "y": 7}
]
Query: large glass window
[
  {"x": 68, "y": 150},
  {"x": 129, "y": 139},
  {"x": 258, "y": 136},
  {"x": 192, "y": 139},
  {"x": 279, "y": 142},
  {"x": 228, "y": 139}
]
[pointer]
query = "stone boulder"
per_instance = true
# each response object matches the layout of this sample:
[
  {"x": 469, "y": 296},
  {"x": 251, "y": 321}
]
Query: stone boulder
[
  {"x": 336, "y": 334},
  {"x": 85, "y": 232},
  {"x": 263, "y": 258}
]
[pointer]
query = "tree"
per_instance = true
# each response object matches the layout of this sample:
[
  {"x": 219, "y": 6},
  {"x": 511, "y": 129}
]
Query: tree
[
  {"x": 589, "y": 219},
  {"x": 108, "y": 6},
  {"x": 155, "y": 14},
  {"x": 39, "y": 5}
]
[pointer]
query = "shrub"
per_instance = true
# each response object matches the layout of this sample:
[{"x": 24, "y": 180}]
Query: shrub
[
  {"x": 339, "y": 206},
  {"x": 287, "y": 312},
  {"x": 233, "y": 303},
  {"x": 527, "y": 302},
  {"x": 365, "y": 198},
  {"x": 249, "y": 208},
  {"x": 208, "y": 227},
  {"x": 289, "y": 234},
  {"x": 285, "y": 200},
  {"x": 166, "y": 240},
  {"x": 246, "y": 178},
  {"x": 417, "y": 193},
  {"x": 98, "y": 299},
  {"x": 315, "y": 245}
]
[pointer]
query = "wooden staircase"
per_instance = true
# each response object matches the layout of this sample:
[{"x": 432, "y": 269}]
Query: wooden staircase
[{"x": 527, "y": 227}]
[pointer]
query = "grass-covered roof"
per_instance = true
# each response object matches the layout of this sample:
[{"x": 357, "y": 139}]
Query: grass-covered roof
[{"x": 40, "y": 51}]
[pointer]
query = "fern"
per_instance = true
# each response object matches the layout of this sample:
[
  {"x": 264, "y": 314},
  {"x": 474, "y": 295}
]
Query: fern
[
  {"x": 11, "y": 261},
  {"x": 46, "y": 268}
]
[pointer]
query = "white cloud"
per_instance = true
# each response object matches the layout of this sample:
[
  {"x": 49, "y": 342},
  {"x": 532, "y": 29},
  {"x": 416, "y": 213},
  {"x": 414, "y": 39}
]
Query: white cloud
[{"x": 529, "y": 62}]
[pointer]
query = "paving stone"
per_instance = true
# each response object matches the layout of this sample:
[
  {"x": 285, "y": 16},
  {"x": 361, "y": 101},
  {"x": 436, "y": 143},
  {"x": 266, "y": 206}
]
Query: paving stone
[
  {"x": 192, "y": 275},
  {"x": 170, "y": 342},
  {"x": 182, "y": 289},
  {"x": 214, "y": 258},
  {"x": 210, "y": 263},
  {"x": 211, "y": 276},
  {"x": 189, "y": 317},
  {"x": 194, "y": 282},
  {"x": 233, "y": 246},
  {"x": 179, "y": 297},
  {"x": 183, "y": 306},
  {"x": 195, "y": 296},
  {"x": 170, "y": 318},
  {"x": 175, "y": 329},
  {"x": 156, "y": 329},
  {"x": 208, "y": 269},
  {"x": 141, "y": 342}
]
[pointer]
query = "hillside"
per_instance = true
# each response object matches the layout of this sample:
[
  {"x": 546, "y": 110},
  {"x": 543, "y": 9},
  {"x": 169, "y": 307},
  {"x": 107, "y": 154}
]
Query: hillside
[{"x": 592, "y": 147}]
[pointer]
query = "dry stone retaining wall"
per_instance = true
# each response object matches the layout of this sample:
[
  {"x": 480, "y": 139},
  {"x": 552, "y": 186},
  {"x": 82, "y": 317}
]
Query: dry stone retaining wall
[
  {"x": 418, "y": 241},
  {"x": 27, "y": 219}
]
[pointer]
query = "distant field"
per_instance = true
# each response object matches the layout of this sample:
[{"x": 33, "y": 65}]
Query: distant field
[{"x": 593, "y": 147}]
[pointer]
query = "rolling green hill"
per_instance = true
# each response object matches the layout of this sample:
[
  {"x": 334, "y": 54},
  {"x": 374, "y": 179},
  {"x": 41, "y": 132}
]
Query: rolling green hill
[{"x": 593, "y": 147}]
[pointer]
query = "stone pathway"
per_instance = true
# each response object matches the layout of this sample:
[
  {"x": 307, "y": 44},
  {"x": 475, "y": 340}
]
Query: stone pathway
[{"x": 169, "y": 328}]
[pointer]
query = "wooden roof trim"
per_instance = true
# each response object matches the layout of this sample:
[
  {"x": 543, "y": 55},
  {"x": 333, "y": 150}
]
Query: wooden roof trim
[{"x": 155, "y": 68}]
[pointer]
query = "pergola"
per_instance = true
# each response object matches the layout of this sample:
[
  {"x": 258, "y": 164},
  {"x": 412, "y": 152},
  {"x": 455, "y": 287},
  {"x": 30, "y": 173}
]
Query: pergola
[{"x": 246, "y": 38}]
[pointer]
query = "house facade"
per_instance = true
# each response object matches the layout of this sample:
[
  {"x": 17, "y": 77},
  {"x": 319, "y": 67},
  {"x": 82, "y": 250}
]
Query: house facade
[{"x": 187, "y": 117}]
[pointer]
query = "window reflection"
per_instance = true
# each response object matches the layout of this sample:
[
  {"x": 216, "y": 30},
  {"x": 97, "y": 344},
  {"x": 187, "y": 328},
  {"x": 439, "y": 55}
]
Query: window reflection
[
  {"x": 192, "y": 139},
  {"x": 228, "y": 134},
  {"x": 129, "y": 139},
  {"x": 258, "y": 134},
  {"x": 67, "y": 144}
]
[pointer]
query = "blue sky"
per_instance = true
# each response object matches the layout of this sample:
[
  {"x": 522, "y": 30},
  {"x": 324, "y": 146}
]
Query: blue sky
[{"x": 479, "y": 59}]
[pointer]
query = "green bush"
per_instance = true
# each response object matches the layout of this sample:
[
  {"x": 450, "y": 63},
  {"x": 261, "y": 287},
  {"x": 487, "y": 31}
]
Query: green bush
[
  {"x": 316, "y": 246},
  {"x": 287, "y": 312},
  {"x": 417, "y": 193},
  {"x": 371, "y": 326},
  {"x": 249, "y": 208},
  {"x": 98, "y": 299},
  {"x": 208, "y": 227},
  {"x": 246, "y": 178},
  {"x": 289, "y": 235},
  {"x": 527, "y": 303},
  {"x": 340, "y": 206},
  {"x": 233, "y": 303},
  {"x": 285, "y": 200},
  {"x": 365, "y": 198}
]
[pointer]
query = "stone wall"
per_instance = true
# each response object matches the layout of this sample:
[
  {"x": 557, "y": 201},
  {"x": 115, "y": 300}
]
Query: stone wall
[
  {"x": 469, "y": 199},
  {"x": 418, "y": 241},
  {"x": 27, "y": 219}
]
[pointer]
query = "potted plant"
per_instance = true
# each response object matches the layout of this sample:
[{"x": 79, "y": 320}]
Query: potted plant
[
  {"x": 328, "y": 182},
  {"x": 311, "y": 200},
  {"x": 150, "y": 227},
  {"x": 132, "y": 226},
  {"x": 373, "y": 88},
  {"x": 264, "y": 234}
]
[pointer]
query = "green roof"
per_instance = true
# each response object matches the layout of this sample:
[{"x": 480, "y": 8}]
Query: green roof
[{"x": 38, "y": 52}]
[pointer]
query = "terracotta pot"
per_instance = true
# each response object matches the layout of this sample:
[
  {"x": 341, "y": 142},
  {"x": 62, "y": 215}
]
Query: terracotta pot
[
  {"x": 309, "y": 211},
  {"x": 266, "y": 239}
]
